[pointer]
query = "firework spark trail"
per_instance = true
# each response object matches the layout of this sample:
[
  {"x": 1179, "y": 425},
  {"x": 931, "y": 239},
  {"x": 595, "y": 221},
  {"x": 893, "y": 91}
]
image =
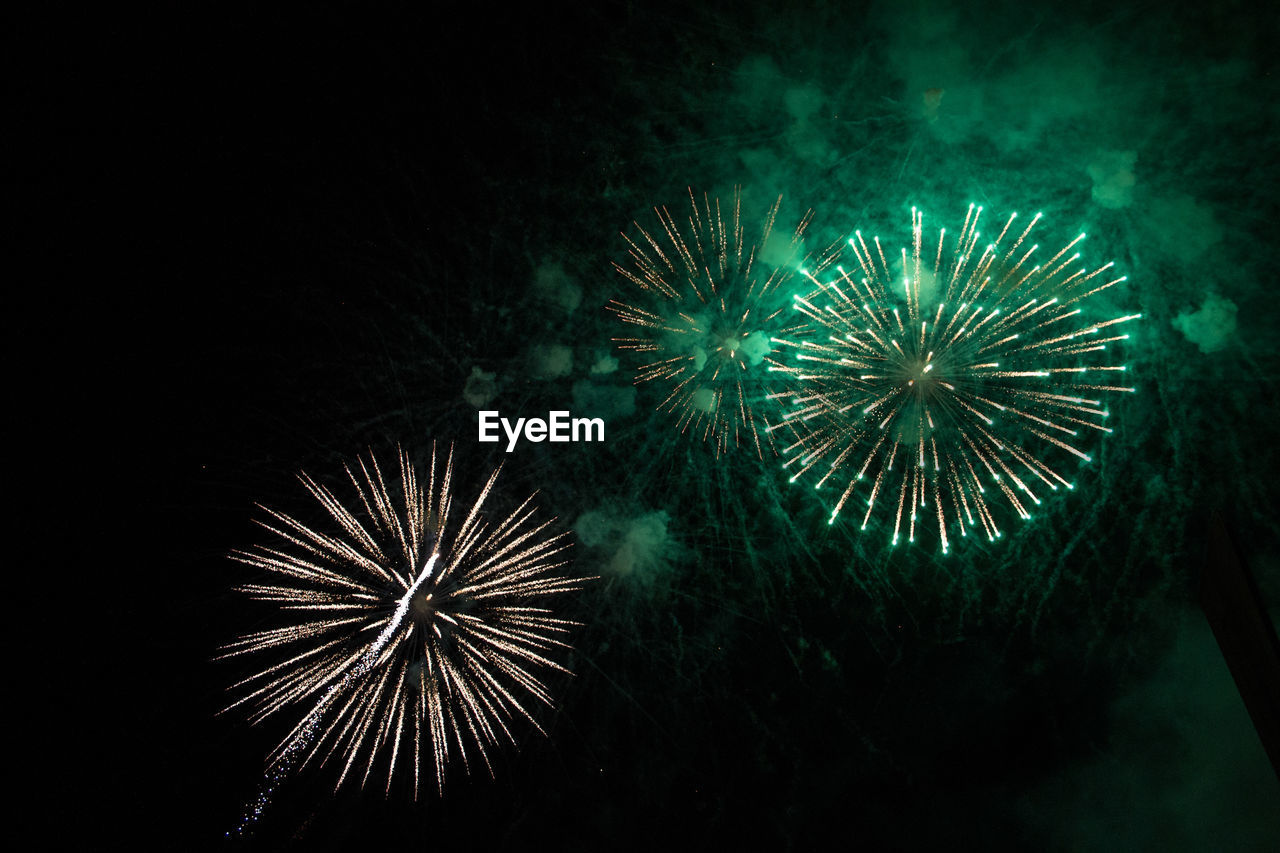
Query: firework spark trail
[
  {"x": 951, "y": 393},
  {"x": 450, "y": 656},
  {"x": 710, "y": 308},
  {"x": 306, "y": 731}
]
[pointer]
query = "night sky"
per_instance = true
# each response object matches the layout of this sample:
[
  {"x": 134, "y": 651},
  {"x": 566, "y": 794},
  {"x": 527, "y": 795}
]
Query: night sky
[{"x": 265, "y": 242}]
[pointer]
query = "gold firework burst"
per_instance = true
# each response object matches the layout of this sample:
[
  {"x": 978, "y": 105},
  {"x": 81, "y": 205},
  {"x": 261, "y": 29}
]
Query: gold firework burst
[
  {"x": 711, "y": 301},
  {"x": 415, "y": 635}
]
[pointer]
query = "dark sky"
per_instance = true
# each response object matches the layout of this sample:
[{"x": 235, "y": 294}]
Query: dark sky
[{"x": 265, "y": 241}]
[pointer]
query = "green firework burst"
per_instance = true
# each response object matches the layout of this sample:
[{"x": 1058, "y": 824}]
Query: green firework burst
[{"x": 957, "y": 382}]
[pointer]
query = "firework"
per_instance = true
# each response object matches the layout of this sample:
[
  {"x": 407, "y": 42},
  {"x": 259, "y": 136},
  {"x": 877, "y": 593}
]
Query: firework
[
  {"x": 413, "y": 636},
  {"x": 943, "y": 389},
  {"x": 710, "y": 304}
]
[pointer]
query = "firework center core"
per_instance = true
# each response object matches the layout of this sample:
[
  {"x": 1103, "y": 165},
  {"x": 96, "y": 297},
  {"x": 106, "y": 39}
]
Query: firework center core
[{"x": 919, "y": 374}]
